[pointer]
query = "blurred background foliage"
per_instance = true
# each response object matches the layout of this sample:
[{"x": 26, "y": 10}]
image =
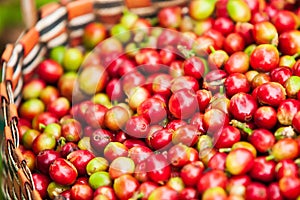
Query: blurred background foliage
[{"x": 11, "y": 22}]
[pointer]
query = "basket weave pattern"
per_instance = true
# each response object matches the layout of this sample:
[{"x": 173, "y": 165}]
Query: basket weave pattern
[{"x": 58, "y": 24}]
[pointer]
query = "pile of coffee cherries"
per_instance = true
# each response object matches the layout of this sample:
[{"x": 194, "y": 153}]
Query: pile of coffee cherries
[{"x": 201, "y": 102}]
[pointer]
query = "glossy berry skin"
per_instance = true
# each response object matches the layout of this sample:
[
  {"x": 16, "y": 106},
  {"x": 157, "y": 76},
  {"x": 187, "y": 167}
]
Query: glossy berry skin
[
  {"x": 214, "y": 193},
  {"x": 175, "y": 123},
  {"x": 44, "y": 118},
  {"x": 286, "y": 148},
  {"x": 286, "y": 167},
  {"x": 216, "y": 36},
  {"x": 71, "y": 130},
  {"x": 67, "y": 148},
  {"x": 114, "y": 150},
  {"x": 41, "y": 183},
  {"x": 292, "y": 86},
  {"x": 287, "y": 60},
  {"x": 120, "y": 166},
  {"x": 296, "y": 122},
  {"x": 178, "y": 155},
  {"x": 100, "y": 138},
  {"x": 242, "y": 106},
  {"x": 264, "y": 57},
  {"x": 194, "y": 67},
  {"x": 133, "y": 142},
  {"x": 245, "y": 29},
  {"x": 259, "y": 17},
  {"x": 193, "y": 154},
  {"x": 170, "y": 17},
  {"x": 191, "y": 172},
  {"x": 63, "y": 172},
  {"x": 203, "y": 98},
  {"x": 281, "y": 74},
  {"x": 114, "y": 90},
  {"x": 183, "y": 103},
  {"x": 49, "y": 94},
  {"x": 238, "y": 62},
  {"x": 116, "y": 118},
  {"x": 81, "y": 191},
  {"x": 153, "y": 109},
  {"x": 137, "y": 126},
  {"x": 271, "y": 93},
  {"x": 285, "y": 21},
  {"x": 59, "y": 107},
  {"x": 148, "y": 60},
  {"x": 167, "y": 55},
  {"x": 93, "y": 34},
  {"x": 204, "y": 50},
  {"x": 296, "y": 68},
  {"x": 106, "y": 191},
  {"x": 31, "y": 108},
  {"x": 160, "y": 139},
  {"x": 139, "y": 153},
  {"x": 221, "y": 9},
  {"x": 290, "y": 186},
  {"x": 136, "y": 96},
  {"x": 238, "y": 182},
  {"x": 214, "y": 120},
  {"x": 220, "y": 102},
  {"x": 94, "y": 115},
  {"x": 289, "y": 42},
  {"x": 274, "y": 191},
  {"x": 265, "y": 33},
  {"x": 217, "y": 161},
  {"x": 234, "y": 42},
  {"x": 260, "y": 79},
  {"x": 263, "y": 170},
  {"x": 213, "y": 80},
  {"x": 286, "y": 111},
  {"x": 125, "y": 186},
  {"x": 140, "y": 172},
  {"x": 223, "y": 25},
  {"x": 42, "y": 142},
  {"x": 256, "y": 190},
  {"x": 213, "y": 178},
  {"x": 202, "y": 26},
  {"x": 235, "y": 83},
  {"x": 217, "y": 59},
  {"x": 188, "y": 193},
  {"x": 33, "y": 88},
  {"x": 239, "y": 161},
  {"x": 45, "y": 158},
  {"x": 184, "y": 82},
  {"x": 50, "y": 71},
  {"x": 161, "y": 84},
  {"x": 227, "y": 137},
  {"x": 158, "y": 168},
  {"x": 262, "y": 139},
  {"x": 80, "y": 159},
  {"x": 131, "y": 80},
  {"x": 146, "y": 188},
  {"x": 186, "y": 134},
  {"x": 265, "y": 117},
  {"x": 163, "y": 192}
]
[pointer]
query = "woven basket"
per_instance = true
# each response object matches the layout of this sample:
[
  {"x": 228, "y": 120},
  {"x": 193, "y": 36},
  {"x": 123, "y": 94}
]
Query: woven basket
[{"x": 53, "y": 25}]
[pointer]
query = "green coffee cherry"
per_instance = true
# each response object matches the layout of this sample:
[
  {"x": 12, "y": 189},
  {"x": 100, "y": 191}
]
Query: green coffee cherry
[
  {"x": 121, "y": 32},
  {"x": 72, "y": 59},
  {"x": 238, "y": 10},
  {"x": 58, "y": 53},
  {"x": 202, "y": 9},
  {"x": 99, "y": 179}
]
